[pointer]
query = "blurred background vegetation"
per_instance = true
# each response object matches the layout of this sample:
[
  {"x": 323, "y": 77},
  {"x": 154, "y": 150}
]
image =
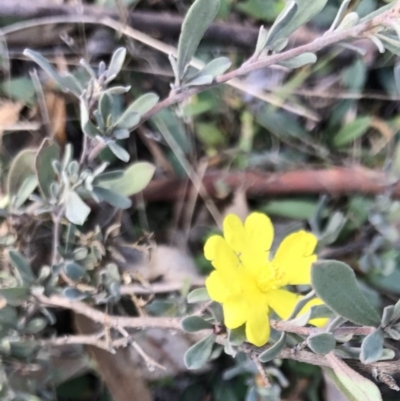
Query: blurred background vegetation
[{"x": 339, "y": 115}]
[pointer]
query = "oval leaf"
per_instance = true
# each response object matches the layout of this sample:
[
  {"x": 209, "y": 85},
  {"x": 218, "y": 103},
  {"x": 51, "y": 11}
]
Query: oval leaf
[
  {"x": 335, "y": 284},
  {"x": 198, "y": 354},
  {"x": 197, "y": 20},
  {"x": 372, "y": 347},
  {"x": 76, "y": 210},
  {"x": 15, "y": 295},
  {"x": 354, "y": 386},
  {"x": 112, "y": 197},
  {"x": 352, "y": 131},
  {"x": 136, "y": 177},
  {"x": 198, "y": 295},
  {"x": 273, "y": 352},
  {"x": 192, "y": 324},
  {"x": 119, "y": 151},
  {"x": 22, "y": 267},
  {"x": 74, "y": 271},
  {"x": 48, "y": 151},
  {"x": 116, "y": 63},
  {"x": 144, "y": 103},
  {"x": 22, "y": 167},
  {"x": 299, "y": 61},
  {"x": 321, "y": 343}
]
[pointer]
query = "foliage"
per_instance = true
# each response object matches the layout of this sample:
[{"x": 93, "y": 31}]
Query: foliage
[{"x": 263, "y": 302}]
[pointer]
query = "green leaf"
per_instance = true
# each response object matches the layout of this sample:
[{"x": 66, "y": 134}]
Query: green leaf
[
  {"x": 76, "y": 210},
  {"x": 352, "y": 131},
  {"x": 192, "y": 324},
  {"x": 128, "y": 120},
  {"x": 15, "y": 295},
  {"x": 112, "y": 197},
  {"x": 36, "y": 325},
  {"x": 237, "y": 336},
  {"x": 135, "y": 178},
  {"x": 43, "y": 63},
  {"x": 321, "y": 343},
  {"x": 372, "y": 347},
  {"x": 284, "y": 18},
  {"x": 198, "y": 354},
  {"x": 299, "y": 61},
  {"x": 20, "y": 89},
  {"x": 74, "y": 271},
  {"x": 306, "y": 10},
  {"x": 21, "y": 167},
  {"x": 354, "y": 386},
  {"x": 22, "y": 267},
  {"x": 198, "y": 295},
  {"x": 48, "y": 151},
  {"x": 197, "y": 20},
  {"x": 116, "y": 63},
  {"x": 74, "y": 294},
  {"x": 106, "y": 108},
  {"x": 335, "y": 284},
  {"x": 121, "y": 133},
  {"x": 25, "y": 191},
  {"x": 273, "y": 351},
  {"x": 119, "y": 151},
  {"x": 143, "y": 104},
  {"x": 91, "y": 130},
  {"x": 214, "y": 68}
]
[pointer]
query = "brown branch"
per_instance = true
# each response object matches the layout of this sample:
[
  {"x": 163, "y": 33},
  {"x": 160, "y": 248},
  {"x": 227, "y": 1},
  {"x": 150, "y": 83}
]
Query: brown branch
[{"x": 334, "y": 181}]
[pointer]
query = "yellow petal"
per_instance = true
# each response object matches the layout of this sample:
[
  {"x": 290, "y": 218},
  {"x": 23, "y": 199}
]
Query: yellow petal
[
  {"x": 224, "y": 260},
  {"x": 257, "y": 326},
  {"x": 294, "y": 257},
  {"x": 319, "y": 322},
  {"x": 217, "y": 289},
  {"x": 259, "y": 231},
  {"x": 235, "y": 312},
  {"x": 234, "y": 232},
  {"x": 282, "y": 302}
]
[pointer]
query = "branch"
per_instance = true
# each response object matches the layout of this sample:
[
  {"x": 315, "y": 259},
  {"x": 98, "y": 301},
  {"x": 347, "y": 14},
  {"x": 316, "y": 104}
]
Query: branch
[{"x": 336, "y": 181}]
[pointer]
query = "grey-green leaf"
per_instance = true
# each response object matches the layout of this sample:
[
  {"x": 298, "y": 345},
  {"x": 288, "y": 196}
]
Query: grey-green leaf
[
  {"x": 119, "y": 151},
  {"x": 136, "y": 177},
  {"x": 197, "y": 20},
  {"x": 43, "y": 63},
  {"x": 273, "y": 351},
  {"x": 48, "y": 151},
  {"x": 74, "y": 271},
  {"x": 36, "y": 325},
  {"x": 15, "y": 295},
  {"x": 192, "y": 324},
  {"x": 281, "y": 22},
  {"x": 76, "y": 210},
  {"x": 299, "y": 61},
  {"x": 74, "y": 294},
  {"x": 372, "y": 347},
  {"x": 214, "y": 68},
  {"x": 198, "y": 295},
  {"x": 25, "y": 191},
  {"x": 198, "y": 354},
  {"x": 144, "y": 103},
  {"x": 335, "y": 284},
  {"x": 21, "y": 167},
  {"x": 351, "y": 383},
  {"x": 321, "y": 343},
  {"x": 116, "y": 63},
  {"x": 112, "y": 197},
  {"x": 352, "y": 131},
  {"x": 22, "y": 267}
]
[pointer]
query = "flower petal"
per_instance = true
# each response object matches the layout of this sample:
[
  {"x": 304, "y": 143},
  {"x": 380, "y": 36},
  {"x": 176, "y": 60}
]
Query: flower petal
[
  {"x": 294, "y": 257},
  {"x": 259, "y": 231},
  {"x": 234, "y": 232},
  {"x": 217, "y": 288},
  {"x": 235, "y": 312},
  {"x": 224, "y": 260},
  {"x": 282, "y": 302},
  {"x": 257, "y": 326}
]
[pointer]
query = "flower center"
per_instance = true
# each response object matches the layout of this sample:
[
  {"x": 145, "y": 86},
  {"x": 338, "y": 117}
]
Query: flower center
[{"x": 269, "y": 278}]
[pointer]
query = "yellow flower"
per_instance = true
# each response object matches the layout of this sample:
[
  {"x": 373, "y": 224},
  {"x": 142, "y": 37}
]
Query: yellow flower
[{"x": 248, "y": 283}]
